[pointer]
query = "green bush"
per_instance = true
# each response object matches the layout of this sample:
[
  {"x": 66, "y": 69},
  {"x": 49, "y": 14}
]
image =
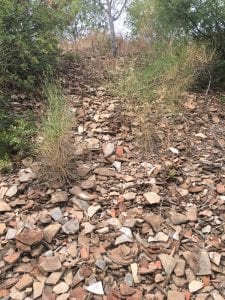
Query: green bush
[
  {"x": 29, "y": 34},
  {"x": 15, "y": 135}
]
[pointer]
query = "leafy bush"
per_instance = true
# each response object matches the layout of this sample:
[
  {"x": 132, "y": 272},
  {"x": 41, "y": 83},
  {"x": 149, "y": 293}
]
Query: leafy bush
[
  {"x": 55, "y": 148},
  {"x": 29, "y": 32},
  {"x": 15, "y": 136}
]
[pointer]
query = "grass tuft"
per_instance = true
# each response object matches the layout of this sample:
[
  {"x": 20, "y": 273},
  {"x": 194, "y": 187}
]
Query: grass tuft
[{"x": 55, "y": 148}]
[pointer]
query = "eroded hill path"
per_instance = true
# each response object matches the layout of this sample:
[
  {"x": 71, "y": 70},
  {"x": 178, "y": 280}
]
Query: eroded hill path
[{"x": 132, "y": 226}]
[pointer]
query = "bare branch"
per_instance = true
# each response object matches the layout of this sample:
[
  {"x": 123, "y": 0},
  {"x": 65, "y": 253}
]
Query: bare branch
[{"x": 116, "y": 16}]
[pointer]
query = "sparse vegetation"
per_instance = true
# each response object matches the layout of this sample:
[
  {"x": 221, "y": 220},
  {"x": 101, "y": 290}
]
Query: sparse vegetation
[
  {"x": 166, "y": 73},
  {"x": 55, "y": 149}
]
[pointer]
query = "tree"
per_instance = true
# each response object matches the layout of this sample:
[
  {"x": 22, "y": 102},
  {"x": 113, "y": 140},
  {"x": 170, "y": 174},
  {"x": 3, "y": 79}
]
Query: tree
[
  {"x": 29, "y": 35},
  {"x": 90, "y": 17},
  {"x": 113, "y": 10}
]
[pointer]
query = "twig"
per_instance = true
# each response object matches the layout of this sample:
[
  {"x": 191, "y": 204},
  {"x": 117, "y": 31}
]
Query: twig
[{"x": 208, "y": 88}]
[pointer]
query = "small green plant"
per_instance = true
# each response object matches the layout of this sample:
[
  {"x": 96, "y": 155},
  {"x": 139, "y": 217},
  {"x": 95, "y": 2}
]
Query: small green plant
[
  {"x": 55, "y": 149},
  {"x": 5, "y": 164},
  {"x": 16, "y": 135}
]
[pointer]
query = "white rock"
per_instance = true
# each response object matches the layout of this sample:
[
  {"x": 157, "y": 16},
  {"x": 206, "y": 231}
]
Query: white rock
[
  {"x": 11, "y": 191},
  {"x": 195, "y": 286},
  {"x": 215, "y": 257},
  {"x": 95, "y": 288},
  {"x": 108, "y": 149},
  {"x": 152, "y": 197},
  {"x": 92, "y": 210},
  {"x": 174, "y": 150},
  {"x": 123, "y": 239},
  {"x": 71, "y": 227},
  {"x": 60, "y": 288},
  {"x": 134, "y": 270}
]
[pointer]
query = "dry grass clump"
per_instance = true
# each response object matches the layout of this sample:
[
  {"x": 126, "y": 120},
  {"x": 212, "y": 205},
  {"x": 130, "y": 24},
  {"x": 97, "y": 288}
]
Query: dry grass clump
[{"x": 55, "y": 149}]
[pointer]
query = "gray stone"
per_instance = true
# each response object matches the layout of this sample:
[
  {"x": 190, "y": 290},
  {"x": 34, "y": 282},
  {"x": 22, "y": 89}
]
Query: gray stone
[
  {"x": 81, "y": 204},
  {"x": 71, "y": 227}
]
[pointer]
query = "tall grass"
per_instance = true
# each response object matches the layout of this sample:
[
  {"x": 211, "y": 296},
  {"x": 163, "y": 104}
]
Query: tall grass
[
  {"x": 166, "y": 73},
  {"x": 55, "y": 149}
]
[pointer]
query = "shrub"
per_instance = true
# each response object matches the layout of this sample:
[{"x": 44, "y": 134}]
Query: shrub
[
  {"x": 16, "y": 135},
  {"x": 29, "y": 32},
  {"x": 55, "y": 148},
  {"x": 166, "y": 73}
]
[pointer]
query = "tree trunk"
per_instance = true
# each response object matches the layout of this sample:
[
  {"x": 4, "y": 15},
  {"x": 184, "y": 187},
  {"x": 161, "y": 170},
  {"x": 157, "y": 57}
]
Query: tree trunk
[{"x": 112, "y": 32}]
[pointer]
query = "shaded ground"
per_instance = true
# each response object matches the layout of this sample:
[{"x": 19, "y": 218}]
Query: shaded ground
[{"x": 133, "y": 226}]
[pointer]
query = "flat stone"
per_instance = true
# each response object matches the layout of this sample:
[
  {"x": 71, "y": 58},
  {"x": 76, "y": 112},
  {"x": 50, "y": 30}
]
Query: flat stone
[
  {"x": 71, "y": 227},
  {"x": 37, "y": 289},
  {"x": 95, "y": 288},
  {"x": 23, "y": 268},
  {"x": 53, "y": 278},
  {"x": 152, "y": 198},
  {"x": 50, "y": 232},
  {"x": 89, "y": 184},
  {"x": 59, "y": 197},
  {"x": 191, "y": 213},
  {"x": 12, "y": 191},
  {"x": 79, "y": 293},
  {"x": 2, "y": 228},
  {"x": 81, "y": 204},
  {"x": 60, "y": 288},
  {"x": 23, "y": 247},
  {"x": 88, "y": 227},
  {"x": 16, "y": 295},
  {"x": 128, "y": 221},
  {"x": 101, "y": 264},
  {"x": 72, "y": 250},
  {"x": 83, "y": 170},
  {"x": 26, "y": 175},
  {"x": 56, "y": 214},
  {"x": 4, "y": 207},
  {"x": 11, "y": 234},
  {"x": 92, "y": 210},
  {"x": 77, "y": 278},
  {"x": 195, "y": 286},
  {"x": 199, "y": 262},
  {"x": 160, "y": 237},
  {"x": 51, "y": 264},
  {"x": 105, "y": 172},
  {"x": 177, "y": 218},
  {"x": 108, "y": 149},
  {"x": 154, "y": 220},
  {"x": 77, "y": 191},
  {"x": 129, "y": 196},
  {"x": 64, "y": 296},
  {"x": 24, "y": 282},
  {"x": 12, "y": 257},
  {"x": 215, "y": 257},
  {"x": 216, "y": 295},
  {"x": 3, "y": 190},
  {"x": 123, "y": 239},
  {"x": 128, "y": 279},
  {"x": 126, "y": 290},
  {"x": 168, "y": 262},
  {"x": 134, "y": 271},
  {"x": 180, "y": 268},
  {"x": 206, "y": 229},
  {"x": 173, "y": 295},
  {"x": 203, "y": 297},
  {"x": 30, "y": 236}
]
